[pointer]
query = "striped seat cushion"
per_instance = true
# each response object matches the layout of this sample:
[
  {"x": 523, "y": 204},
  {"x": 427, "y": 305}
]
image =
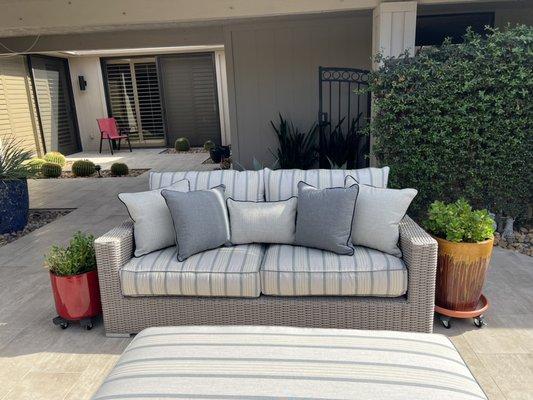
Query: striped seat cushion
[
  {"x": 302, "y": 271},
  {"x": 237, "y": 362},
  {"x": 226, "y": 271},
  {"x": 283, "y": 183},
  {"x": 240, "y": 185}
]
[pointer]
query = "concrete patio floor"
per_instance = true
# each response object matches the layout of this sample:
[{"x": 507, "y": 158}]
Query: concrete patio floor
[{"x": 41, "y": 361}]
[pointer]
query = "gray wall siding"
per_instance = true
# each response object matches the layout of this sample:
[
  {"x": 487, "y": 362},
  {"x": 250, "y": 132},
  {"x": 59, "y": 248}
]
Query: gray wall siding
[{"x": 274, "y": 68}]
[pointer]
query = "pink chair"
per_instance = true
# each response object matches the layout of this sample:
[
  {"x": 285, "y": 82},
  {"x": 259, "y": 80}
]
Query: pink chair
[{"x": 110, "y": 131}]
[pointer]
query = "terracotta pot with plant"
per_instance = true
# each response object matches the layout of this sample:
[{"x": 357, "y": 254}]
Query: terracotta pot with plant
[
  {"x": 465, "y": 239},
  {"x": 75, "y": 281}
]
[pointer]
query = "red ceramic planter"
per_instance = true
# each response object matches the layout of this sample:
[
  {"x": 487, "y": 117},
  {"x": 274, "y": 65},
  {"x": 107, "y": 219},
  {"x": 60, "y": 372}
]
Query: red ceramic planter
[{"x": 77, "y": 296}]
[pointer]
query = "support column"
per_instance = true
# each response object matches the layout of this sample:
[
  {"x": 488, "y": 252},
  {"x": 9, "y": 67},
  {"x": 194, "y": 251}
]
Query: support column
[{"x": 393, "y": 29}]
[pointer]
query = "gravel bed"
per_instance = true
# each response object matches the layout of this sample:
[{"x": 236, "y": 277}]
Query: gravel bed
[
  {"x": 192, "y": 150},
  {"x": 105, "y": 173},
  {"x": 37, "y": 218},
  {"x": 520, "y": 241}
]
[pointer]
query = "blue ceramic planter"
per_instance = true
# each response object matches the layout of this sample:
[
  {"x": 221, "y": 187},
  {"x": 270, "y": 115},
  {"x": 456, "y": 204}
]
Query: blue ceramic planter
[{"x": 14, "y": 205}]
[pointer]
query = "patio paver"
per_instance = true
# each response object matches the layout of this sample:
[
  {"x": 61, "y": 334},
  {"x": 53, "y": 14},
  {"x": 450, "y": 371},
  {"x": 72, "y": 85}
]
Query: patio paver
[{"x": 38, "y": 360}]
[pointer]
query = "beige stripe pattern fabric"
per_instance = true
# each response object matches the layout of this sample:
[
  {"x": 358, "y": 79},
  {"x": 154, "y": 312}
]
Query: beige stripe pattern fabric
[
  {"x": 225, "y": 271},
  {"x": 238, "y": 362},
  {"x": 302, "y": 271},
  {"x": 283, "y": 183},
  {"x": 240, "y": 185}
]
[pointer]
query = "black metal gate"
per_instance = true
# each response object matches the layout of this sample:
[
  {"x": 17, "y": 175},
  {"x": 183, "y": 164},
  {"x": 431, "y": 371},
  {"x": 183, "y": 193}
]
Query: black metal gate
[{"x": 343, "y": 111}]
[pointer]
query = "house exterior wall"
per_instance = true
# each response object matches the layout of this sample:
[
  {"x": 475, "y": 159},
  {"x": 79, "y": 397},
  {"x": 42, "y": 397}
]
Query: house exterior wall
[
  {"x": 90, "y": 103},
  {"x": 18, "y": 118},
  {"x": 273, "y": 67}
]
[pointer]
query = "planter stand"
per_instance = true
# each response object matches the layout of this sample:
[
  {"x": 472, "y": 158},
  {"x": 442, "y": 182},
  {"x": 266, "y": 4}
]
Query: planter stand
[
  {"x": 85, "y": 323},
  {"x": 445, "y": 315}
]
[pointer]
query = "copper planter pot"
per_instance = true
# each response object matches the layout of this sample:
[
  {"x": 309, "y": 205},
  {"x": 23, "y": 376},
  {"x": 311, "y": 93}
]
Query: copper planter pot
[{"x": 461, "y": 273}]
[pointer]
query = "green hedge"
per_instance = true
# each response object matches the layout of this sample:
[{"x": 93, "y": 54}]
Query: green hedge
[{"x": 456, "y": 121}]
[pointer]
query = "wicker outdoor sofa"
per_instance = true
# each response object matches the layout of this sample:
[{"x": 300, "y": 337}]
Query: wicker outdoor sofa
[{"x": 412, "y": 311}]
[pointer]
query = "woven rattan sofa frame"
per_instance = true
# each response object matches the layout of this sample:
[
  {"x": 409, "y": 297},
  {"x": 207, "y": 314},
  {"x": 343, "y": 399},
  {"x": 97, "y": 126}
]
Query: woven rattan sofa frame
[{"x": 129, "y": 315}]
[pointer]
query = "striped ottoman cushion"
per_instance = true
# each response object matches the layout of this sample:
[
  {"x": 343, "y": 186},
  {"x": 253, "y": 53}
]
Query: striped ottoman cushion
[
  {"x": 226, "y": 271},
  {"x": 275, "y": 362},
  {"x": 281, "y": 184},
  {"x": 302, "y": 271},
  {"x": 240, "y": 185}
]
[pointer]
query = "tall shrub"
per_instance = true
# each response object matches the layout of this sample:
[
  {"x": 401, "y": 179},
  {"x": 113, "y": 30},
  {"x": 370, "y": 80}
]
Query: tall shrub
[{"x": 456, "y": 121}]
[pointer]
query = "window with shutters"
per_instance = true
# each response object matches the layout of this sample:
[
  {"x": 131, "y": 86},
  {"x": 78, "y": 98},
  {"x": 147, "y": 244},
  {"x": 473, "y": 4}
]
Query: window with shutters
[{"x": 134, "y": 98}]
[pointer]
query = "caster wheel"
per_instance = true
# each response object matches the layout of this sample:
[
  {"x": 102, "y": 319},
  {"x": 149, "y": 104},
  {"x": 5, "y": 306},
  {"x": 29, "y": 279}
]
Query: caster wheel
[
  {"x": 87, "y": 324},
  {"x": 445, "y": 321},
  {"x": 62, "y": 323},
  {"x": 480, "y": 321}
]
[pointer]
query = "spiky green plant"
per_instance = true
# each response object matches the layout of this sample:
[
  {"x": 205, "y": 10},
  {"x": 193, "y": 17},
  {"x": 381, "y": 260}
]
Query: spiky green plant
[
  {"x": 51, "y": 170},
  {"x": 55, "y": 157},
  {"x": 340, "y": 148},
  {"x": 182, "y": 144},
  {"x": 83, "y": 168},
  {"x": 119, "y": 169},
  {"x": 296, "y": 149},
  {"x": 77, "y": 258},
  {"x": 35, "y": 164},
  {"x": 209, "y": 145},
  {"x": 14, "y": 159}
]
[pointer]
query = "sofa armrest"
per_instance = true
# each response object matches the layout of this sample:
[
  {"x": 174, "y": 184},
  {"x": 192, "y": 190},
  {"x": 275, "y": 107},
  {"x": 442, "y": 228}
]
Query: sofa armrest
[
  {"x": 420, "y": 255},
  {"x": 113, "y": 250}
]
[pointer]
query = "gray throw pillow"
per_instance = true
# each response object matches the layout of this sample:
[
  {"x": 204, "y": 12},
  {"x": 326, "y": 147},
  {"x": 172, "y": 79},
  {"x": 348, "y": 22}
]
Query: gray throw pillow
[
  {"x": 324, "y": 218},
  {"x": 200, "y": 220},
  {"x": 262, "y": 222},
  {"x": 378, "y": 213},
  {"x": 152, "y": 224}
]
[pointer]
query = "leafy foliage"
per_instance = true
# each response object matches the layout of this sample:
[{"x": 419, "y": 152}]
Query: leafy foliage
[
  {"x": 55, "y": 157},
  {"x": 340, "y": 149},
  {"x": 457, "y": 222},
  {"x": 296, "y": 149},
  {"x": 14, "y": 159},
  {"x": 51, "y": 170},
  {"x": 119, "y": 169},
  {"x": 77, "y": 258},
  {"x": 456, "y": 121}
]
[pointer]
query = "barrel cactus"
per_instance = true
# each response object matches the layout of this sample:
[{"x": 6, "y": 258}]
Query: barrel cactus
[
  {"x": 209, "y": 145},
  {"x": 83, "y": 168},
  {"x": 51, "y": 170},
  {"x": 182, "y": 144},
  {"x": 35, "y": 164},
  {"x": 55, "y": 157},
  {"x": 119, "y": 169}
]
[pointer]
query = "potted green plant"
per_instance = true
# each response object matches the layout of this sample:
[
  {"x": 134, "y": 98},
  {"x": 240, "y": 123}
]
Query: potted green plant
[
  {"x": 15, "y": 169},
  {"x": 75, "y": 281},
  {"x": 465, "y": 240}
]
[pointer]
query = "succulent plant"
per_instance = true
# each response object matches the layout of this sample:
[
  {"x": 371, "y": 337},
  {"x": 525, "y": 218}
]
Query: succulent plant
[
  {"x": 35, "y": 164},
  {"x": 51, "y": 170},
  {"x": 55, "y": 157},
  {"x": 182, "y": 144},
  {"x": 209, "y": 145},
  {"x": 119, "y": 169},
  {"x": 83, "y": 168}
]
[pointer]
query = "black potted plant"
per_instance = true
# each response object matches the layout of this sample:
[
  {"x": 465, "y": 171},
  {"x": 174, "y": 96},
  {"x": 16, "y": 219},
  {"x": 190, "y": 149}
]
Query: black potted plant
[
  {"x": 14, "y": 172},
  {"x": 220, "y": 152}
]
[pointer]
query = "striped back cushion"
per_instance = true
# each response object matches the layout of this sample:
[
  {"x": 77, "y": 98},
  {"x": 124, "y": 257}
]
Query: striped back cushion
[
  {"x": 283, "y": 183},
  {"x": 240, "y": 185}
]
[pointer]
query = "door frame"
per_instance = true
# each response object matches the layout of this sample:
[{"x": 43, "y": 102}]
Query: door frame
[
  {"x": 148, "y": 57},
  {"x": 162, "y": 92},
  {"x": 72, "y": 103}
]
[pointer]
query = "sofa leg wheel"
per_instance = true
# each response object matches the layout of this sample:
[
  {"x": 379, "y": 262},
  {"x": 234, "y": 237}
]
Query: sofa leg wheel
[{"x": 445, "y": 321}]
